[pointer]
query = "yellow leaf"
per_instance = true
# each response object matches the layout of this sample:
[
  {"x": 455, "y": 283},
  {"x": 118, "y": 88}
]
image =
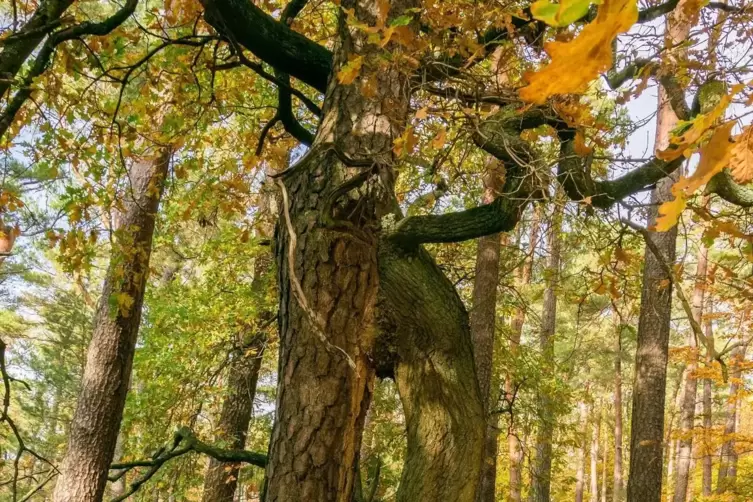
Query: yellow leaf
[
  {"x": 125, "y": 302},
  {"x": 383, "y": 9},
  {"x": 741, "y": 160},
  {"x": 440, "y": 139},
  {"x": 714, "y": 157},
  {"x": 422, "y": 113},
  {"x": 574, "y": 64},
  {"x": 669, "y": 212},
  {"x": 581, "y": 149},
  {"x": 350, "y": 71}
]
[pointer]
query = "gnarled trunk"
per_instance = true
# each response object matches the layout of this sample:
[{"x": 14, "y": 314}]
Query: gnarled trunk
[{"x": 99, "y": 410}]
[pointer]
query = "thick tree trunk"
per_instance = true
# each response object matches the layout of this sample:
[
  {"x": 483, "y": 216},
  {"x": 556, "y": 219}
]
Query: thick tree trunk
[
  {"x": 649, "y": 389},
  {"x": 221, "y": 479},
  {"x": 515, "y": 449},
  {"x": 436, "y": 379},
  {"x": 542, "y": 469},
  {"x": 594, "y": 473},
  {"x": 483, "y": 323},
  {"x": 99, "y": 410},
  {"x": 329, "y": 283},
  {"x": 690, "y": 392},
  {"x": 617, "y": 485}
]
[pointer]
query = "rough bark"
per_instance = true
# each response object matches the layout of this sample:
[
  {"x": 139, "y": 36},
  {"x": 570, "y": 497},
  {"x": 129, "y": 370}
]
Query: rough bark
[
  {"x": 707, "y": 415},
  {"x": 436, "y": 379},
  {"x": 690, "y": 391},
  {"x": 99, "y": 410},
  {"x": 515, "y": 449},
  {"x": 221, "y": 479},
  {"x": 649, "y": 389},
  {"x": 617, "y": 485},
  {"x": 482, "y": 325},
  {"x": 328, "y": 276},
  {"x": 604, "y": 449},
  {"x": 542, "y": 467}
]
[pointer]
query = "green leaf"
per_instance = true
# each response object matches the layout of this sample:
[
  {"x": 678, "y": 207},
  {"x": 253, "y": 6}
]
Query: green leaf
[{"x": 560, "y": 14}]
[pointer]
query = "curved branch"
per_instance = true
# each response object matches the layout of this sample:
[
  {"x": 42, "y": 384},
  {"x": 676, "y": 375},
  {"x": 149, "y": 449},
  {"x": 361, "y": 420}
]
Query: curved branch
[
  {"x": 270, "y": 40},
  {"x": 725, "y": 187},
  {"x": 184, "y": 441}
]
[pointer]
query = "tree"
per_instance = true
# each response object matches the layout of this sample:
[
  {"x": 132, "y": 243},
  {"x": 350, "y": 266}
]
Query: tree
[{"x": 106, "y": 379}]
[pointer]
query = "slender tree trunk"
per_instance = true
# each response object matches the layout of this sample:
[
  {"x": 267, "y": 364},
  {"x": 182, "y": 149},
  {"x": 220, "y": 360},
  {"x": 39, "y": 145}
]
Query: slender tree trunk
[
  {"x": 221, "y": 479},
  {"x": 95, "y": 425},
  {"x": 595, "y": 436},
  {"x": 690, "y": 393},
  {"x": 726, "y": 477},
  {"x": 542, "y": 470},
  {"x": 649, "y": 389},
  {"x": 707, "y": 414},
  {"x": 604, "y": 449},
  {"x": 618, "y": 485},
  {"x": 580, "y": 472},
  {"x": 483, "y": 323},
  {"x": 515, "y": 450}
]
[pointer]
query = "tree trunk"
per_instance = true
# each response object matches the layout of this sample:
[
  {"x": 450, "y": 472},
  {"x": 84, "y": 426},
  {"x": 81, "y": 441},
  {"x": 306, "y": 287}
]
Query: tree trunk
[
  {"x": 221, "y": 479},
  {"x": 618, "y": 485},
  {"x": 332, "y": 266},
  {"x": 515, "y": 450},
  {"x": 99, "y": 410},
  {"x": 649, "y": 389},
  {"x": 483, "y": 323},
  {"x": 690, "y": 393},
  {"x": 707, "y": 415},
  {"x": 580, "y": 472},
  {"x": 542, "y": 469},
  {"x": 726, "y": 478},
  {"x": 436, "y": 379},
  {"x": 595, "y": 433},
  {"x": 604, "y": 466}
]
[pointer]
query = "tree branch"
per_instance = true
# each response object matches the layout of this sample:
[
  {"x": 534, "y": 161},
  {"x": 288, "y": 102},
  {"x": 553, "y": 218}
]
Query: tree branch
[
  {"x": 184, "y": 441},
  {"x": 47, "y": 50}
]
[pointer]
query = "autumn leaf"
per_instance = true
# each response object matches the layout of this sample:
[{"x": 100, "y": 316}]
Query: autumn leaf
[
  {"x": 422, "y": 113},
  {"x": 575, "y": 63},
  {"x": 440, "y": 139},
  {"x": 560, "y": 14},
  {"x": 124, "y": 301},
  {"x": 350, "y": 71},
  {"x": 714, "y": 157},
  {"x": 669, "y": 212},
  {"x": 741, "y": 159},
  {"x": 695, "y": 130},
  {"x": 581, "y": 149}
]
